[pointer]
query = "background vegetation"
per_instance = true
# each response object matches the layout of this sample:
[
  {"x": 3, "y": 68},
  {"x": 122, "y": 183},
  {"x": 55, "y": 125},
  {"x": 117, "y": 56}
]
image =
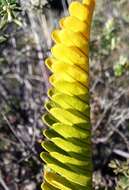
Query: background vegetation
[{"x": 25, "y": 42}]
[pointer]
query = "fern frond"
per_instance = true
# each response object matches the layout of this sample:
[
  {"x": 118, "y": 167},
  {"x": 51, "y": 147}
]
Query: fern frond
[{"x": 68, "y": 155}]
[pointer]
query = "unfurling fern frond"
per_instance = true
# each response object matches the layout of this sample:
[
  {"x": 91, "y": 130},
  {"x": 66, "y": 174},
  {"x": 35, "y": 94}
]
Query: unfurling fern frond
[{"x": 68, "y": 155}]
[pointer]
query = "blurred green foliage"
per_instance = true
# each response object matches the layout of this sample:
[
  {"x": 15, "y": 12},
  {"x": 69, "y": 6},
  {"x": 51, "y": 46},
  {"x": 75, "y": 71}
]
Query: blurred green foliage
[
  {"x": 121, "y": 66},
  {"x": 121, "y": 169},
  {"x": 5, "y": 2},
  {"x": 9, "y": 10},
  {"x": 108, "y": 38}
]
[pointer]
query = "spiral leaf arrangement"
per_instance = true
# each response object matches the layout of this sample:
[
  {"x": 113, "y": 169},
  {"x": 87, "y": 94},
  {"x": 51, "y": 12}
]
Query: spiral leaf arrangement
[{"x": 68, "y": 154}]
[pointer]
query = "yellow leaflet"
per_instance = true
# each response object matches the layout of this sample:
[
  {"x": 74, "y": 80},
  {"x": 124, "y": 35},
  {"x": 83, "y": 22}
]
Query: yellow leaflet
[
  {"x": 72, "y": 102},
  {"x": 90, "y": 4},
  {"x": 68, "y": 116},
  {"x": 51, "y": 147},
  {"x": 69, "y": 73},
  {"x": 71, "y": 88},
  {"x": 71, "y": 131},
  {"x": 60, "y": 77},
  {"x": 71, "y": 55},
  {"x": 65, "y": 171},
  {"x": 71, "y": 147},
  {"x": 80, "y": 11},
  {"x": 70, "y": 38},
  {"x": 52, "y": 62},
  {"x": 62, "y": 182},
  {"x": 48, "y": 119},
  {"x": 58, "y": 181},
  {"x": 68, "y": 160},
  {"x": 47, "y": 186},
  {"x": 75, "y": 25}
]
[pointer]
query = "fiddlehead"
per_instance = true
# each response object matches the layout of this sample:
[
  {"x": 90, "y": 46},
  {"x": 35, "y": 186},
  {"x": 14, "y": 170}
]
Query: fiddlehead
[{"x": 68, "y": 155}]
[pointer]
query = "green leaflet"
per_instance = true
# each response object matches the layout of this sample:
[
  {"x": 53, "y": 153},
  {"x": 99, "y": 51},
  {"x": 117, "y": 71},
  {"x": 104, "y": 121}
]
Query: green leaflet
[
  {"x": 68, "y": 160},
  {"x": 61, "y": 182},
  {"x": 75, "y": 25},
  {"x": 71, "y": 102},
  {"x": 68, "y": 116},
  {"x": 77, "y": 39},
  {"x": 72, "y": 131},
  {"x": 68, "y": 155},
  {"x": 47, "y": 186},
  {"x": 65, "y": 171}
]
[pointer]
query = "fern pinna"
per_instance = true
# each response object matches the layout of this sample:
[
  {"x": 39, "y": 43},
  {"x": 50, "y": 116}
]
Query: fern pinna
[{"x": 68, "y": 154}]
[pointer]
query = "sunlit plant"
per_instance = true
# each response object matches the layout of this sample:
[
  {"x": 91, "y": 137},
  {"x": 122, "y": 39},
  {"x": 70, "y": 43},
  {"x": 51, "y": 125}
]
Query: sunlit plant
[
  {"x": 121, "y": 169},
  {"x": 8, "y": 12},
  {"x": 68, "y": 154}
]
